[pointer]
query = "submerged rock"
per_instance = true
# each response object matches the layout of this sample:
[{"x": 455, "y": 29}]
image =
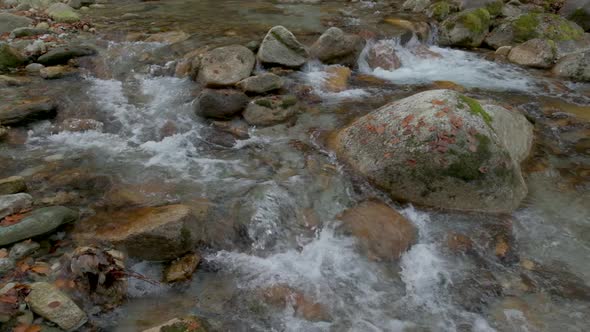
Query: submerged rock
[
  {"x": 382, "y": 232},
  {"x": 337, "y": 78},
  {"x": 281, "y": 48},
  {"x": 9, "y": 22},
  {"x": 536, "y": 53},
  {"x": 27, "y": 110},
  {"x": 220, "y": 104},
  {"x": 305, "y": 307},
  {"x": 55, "y": 72},
  {"x": 37, "y": 222},
  {"x": 61, "y": 55},
  {"x": 268, "y": 111},
  {"x": 187, "y": 324},
  {"x": 226, "y": 66},
  {"x": 467, "y": 28},
  {"x": 261, "y": 83},
  {"x": 12, "y": 185},
  {"x": 10, "y": 204},
  {"x": 50, "y": 303},
  {"x": 443, "y": 149},
  {"x": 151, "y": 233},
  {"x": 516, "y": 30},
  {"x": 10, "y": 57},
  {"x": 336, "y": 47},
  {"x": 575, "y": 67},
  {"x": 182, "y": 268}
]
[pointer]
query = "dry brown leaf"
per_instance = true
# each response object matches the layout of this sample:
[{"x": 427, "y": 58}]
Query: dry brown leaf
[
  {"x": 3, "y": 253},
  {"x": 54, "y": 304},
  {"x": 41, "y": 268}
]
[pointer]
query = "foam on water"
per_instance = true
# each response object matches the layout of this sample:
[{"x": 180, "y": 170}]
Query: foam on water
[
  {"x": 465, "y": 68},
  {"x": 314, "y": 73}
]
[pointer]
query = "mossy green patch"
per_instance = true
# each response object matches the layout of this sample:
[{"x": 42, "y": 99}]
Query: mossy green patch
[
  {"x": 477, "y": 20},
  {"x": 289, "y": 101},
  {"x": 440, "y": 10},
  {"x": 495, "y": 8},
  {"x": 525, "y": 27},
  {"x": 467, "y": 166},
  {"x": 475, "y": 108},
  {"x": 550, "y": 26},
  {"x": 263, "y": 102}
]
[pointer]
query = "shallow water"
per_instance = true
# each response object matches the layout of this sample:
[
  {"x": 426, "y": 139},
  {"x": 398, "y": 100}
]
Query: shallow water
[{"x": 282, "y": 190}]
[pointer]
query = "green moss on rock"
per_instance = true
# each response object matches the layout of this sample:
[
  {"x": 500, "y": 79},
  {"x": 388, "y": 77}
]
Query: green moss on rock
[
  {"x": 475, "y": 108},
  {"x": 468, "y": 165},
  {"x": 549, "y": 26},
  {"x": 525, "y": 27},
  {"x": 440, "y": 10},
  {"x": 477, "y": 20},
  {"x": 495, "y": 8}
]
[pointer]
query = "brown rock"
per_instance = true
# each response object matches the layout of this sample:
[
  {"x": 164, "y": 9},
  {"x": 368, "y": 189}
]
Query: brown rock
[
  {"x": 12, "y": 185},
  {"x": 459, "y": 243},
  {"x": 382, "y": 55},
  {"x": 282, "y": 295},
  {"x": 337, "y": 79},
  {"x": 182, "y": 268},
  {"x": 383, "y": 233}
]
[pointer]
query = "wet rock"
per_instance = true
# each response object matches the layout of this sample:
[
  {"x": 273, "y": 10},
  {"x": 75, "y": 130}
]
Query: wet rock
[
  {"x": 476, "y": 291},
  {"x": 268, "y": 111},
  {"x": 577, "y": 11},
  {"x": 501, "y": 312},
  {"x": 23, "y": 249},
  {"x": 27, "y": 111},
  {"x": 27, "y": 32},
  {"x": 459, "y": 243},
  {"x": 419, "y": 29},
  {"x": 7, "y": 265},
  {"x": 63, "y": 13},
  {"x": 12, "y": 185},
  {"x": 50, "y": 303},
  {"x": 536, "y": 53},
  {"x": 188, "y": 324},
  {"x": 336, "y": 47},
  {"x": 34, "y": 68},
  {"x": 304, "y": 307},
  {"x": 443, "y": 149},
  {"x": 182, "y": 268},
  {"x": 281, "y": 48},
  {"x": 150, "y": 233},
  {"x": 516, "y": 30},
  {"x": 503, "y": 51},
  {"x": 61, "y": 55},
  {"x": 441, "y": 10},
  {"x": 10, "y": 57},
  {"x": 467, "y": 28},
  {"x": 575, "y": 67},
  {"x": 237, "y": 127},
  {"x": 261, "y": 83},
  {"x": 10, "y": 204},
  {"x": 55, "y": 72},
  {"x": 382, "y": 55},
  {"x": 77, "y": 4},
  {"x": 169, "y": 37},
  {"x": 449, "y": 85},
  {"x": 100, "y": 274},
  {"x": 37, "y": 222},
  {"x": 382, "y": 232},
  {"x": 9, "y": 22},
  {"x": 80, "y": 125},
  {"x": 337, "y": 78},
  {"x": 226, "y": 66},
  {"x": 220, "y": 104},
  {"x": 14, "y": 80}
]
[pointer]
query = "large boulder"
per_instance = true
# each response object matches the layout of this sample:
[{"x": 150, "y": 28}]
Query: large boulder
[
  {"x": 25, "y": 111},
  {"x": 220, "y": 104},
  {"x": 281, "y": 48},
  {"x": 577, "y": 11},
  {"x": 49, "y": 302},
  {"x": 9, "y": 22},
  {"x": 336, "y": 47},
  {"x": 61, "y": 12},
  {"x": 151, "y": 233},
  {"x": 61, "y": 55},
  {"x": 516, "y": 30},
  {"x": 466, "y": 29},
  {"x": 38, "y": 222},
  {"x": 442, "y": 149},
  {"x": 226, "y": 66},
  {"x": 382, "y": 232},
  {"x": 536, "y": 53},
  {"x": 268, "y": 111},
  {"x": 10, "y": 57},
  {"x": 575, "y": 67}
]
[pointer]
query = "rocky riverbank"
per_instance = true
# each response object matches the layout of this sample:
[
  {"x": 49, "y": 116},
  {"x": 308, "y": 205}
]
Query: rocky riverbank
[{"x": 261, "y": 150}]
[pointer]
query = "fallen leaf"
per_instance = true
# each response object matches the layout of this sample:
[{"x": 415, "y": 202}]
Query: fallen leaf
[
  {"x": 440, "y": 114},
  {"x": 41, "y": 268},
  {"x": 438, "y": 102},
  {"x": 54, "y": 304},
  {"x": 10, "y": 299},
  {"x": 12, "y": 219},
  {"x": 406, "y": 121},
  {"x": 483, "y": 169}
]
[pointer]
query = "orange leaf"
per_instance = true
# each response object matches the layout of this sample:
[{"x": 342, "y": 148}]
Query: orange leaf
[
  {"x": 12, "y": 219},
  {"x": 41, "y": 268},
  {"x": 10, "y": 299},
  {"x": 34, "y": 328},
  {"x": 438, "y": 102},
  {"x": 54, "y": 304},
  {"x": 407, "y": 120}
]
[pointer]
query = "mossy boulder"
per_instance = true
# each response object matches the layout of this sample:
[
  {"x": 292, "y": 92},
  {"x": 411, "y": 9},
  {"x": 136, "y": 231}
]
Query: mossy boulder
[
  {"x": 536, "y": 53},
  {"x": 516, "y": 30},
  {"x": 441, "y": 149},
  {"x": 577, "y": 11},
  {"x": 466, "y": 29},
  {"x": 441, "y": 10},
  {"x": 62, "y": 13},
  {"x": 10, "y": 57},
  {"x": 575, "y": 67}
]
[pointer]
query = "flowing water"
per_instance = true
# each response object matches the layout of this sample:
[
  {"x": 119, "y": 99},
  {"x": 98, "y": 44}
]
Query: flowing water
[{"x": 273, "y": 197}]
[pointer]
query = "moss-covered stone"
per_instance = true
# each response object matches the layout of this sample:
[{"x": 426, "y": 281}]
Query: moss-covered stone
[
  {"x": 475, "y": 108},
  {"x": 467, "y": 28},
  {"x": 9, "y": 57},
  {"x": 535, "y": 25},
  {"x": 468, "y": 166},
  {"x": 439, "y": 10},
  {"x": 495, "y": 8},
  {"x": 477, "y": 21}
]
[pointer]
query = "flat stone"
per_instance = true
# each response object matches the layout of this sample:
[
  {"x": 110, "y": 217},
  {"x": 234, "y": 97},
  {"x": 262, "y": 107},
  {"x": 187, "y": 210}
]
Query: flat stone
[
  {"x": 55, "y": 72},
  {"x": 23, "y": 249},
  {"x": 37, "y": 222},
  {"x": 9, "y": 22},
  {"x": 27, "y": 32},
  {"x": 220, "y": 104},
  {"x": 27, "y": 111},
  {"x": 261, "y": 83},
  {"x": 150, "y": 233},
  {"x": 61, "y": 55},
  {"x": 268, "y": 111},
  {"x": 61, "y": 12},
  {"x": 12, "y": 185},
  {"x": 10, "y": 204},
  {"x": 10, "y": 57},
  {"x": 50, "y": 303},
  {"x": 226, "y": 66}
]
